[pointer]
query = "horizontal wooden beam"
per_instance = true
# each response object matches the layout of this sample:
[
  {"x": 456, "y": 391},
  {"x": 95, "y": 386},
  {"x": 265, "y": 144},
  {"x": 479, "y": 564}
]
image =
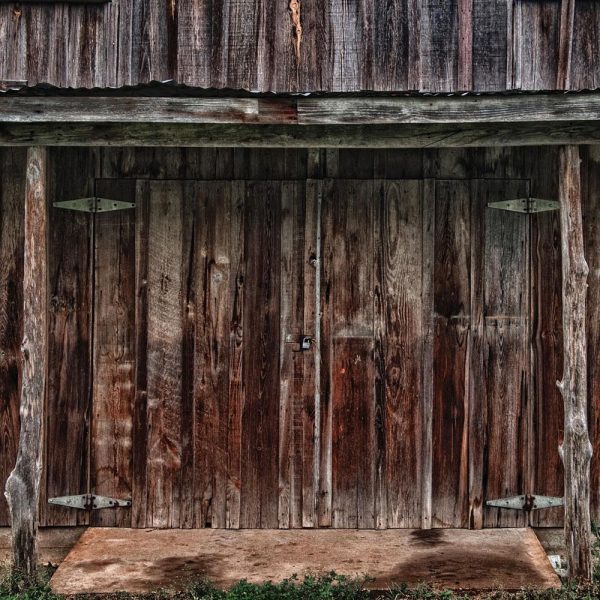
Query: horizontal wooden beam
[
  {"x": 308, "y": 136},
  {"x": 409, "y": 110},
  {"x": 53, "y": 109},
  {"x": 520, "y": 108}
]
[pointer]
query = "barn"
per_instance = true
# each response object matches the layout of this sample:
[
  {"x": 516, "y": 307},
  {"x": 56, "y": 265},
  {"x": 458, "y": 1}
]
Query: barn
[{"x": 300, "y": 265}]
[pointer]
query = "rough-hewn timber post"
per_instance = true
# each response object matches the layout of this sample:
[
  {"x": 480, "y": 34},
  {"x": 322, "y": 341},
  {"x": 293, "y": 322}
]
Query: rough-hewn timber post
[
  {"x": 576, "y": 449},
  {"x": 23, "y": 485}
]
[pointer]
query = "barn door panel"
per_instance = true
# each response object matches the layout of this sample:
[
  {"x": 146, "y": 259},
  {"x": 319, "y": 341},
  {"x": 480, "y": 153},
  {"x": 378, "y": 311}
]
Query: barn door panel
[
  {"x": 224, "y": 407},
  {"x": 371, "y": 354},
  {"x": 67, "y": 440},
  {"x": 506, "y": 357},
  {"x": 451, "y": 352},
  {"x": 481, "y": 408},
  {"x": 113, "y": 353}
]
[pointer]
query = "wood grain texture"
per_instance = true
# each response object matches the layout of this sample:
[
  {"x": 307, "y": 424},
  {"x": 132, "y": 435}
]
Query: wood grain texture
[
  {"x": 345, "y": 46},
  {"x": 399, "y": 357},
  {"x": 378, "y": 136},
  {"x": 113, "y": 354},
  {"x": 69, "y": 339},
  {"x": 164, "y": 352},
  {"x": 209, "y": 308},
  {"x": 489, "y": 372},
  {"x": 535, "y": 40},
  {"x": 506, "y": 353},
  {"x": 12, "y": 192},
  {"x": 236, "y": 355},
  {"x": 260, "y": 414},
  {"x": 547, "y": 344},
  {"x": 576, "y": 449},
  {"x": 451, "y": 347},
  {"x": 591, "y": 199},
  {"x": 439, "y": 45},
  {"x": 22, "y": 489}
]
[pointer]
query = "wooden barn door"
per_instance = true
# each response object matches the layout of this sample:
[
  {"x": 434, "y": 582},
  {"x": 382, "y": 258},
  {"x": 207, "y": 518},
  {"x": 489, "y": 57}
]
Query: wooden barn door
[
  {"x": 375, "y": 290},
  {"x": 409, "y": 408},
  {"x": 203, "y": 400},
  {"x": 424, "y": 352},
  {"x": 481, "y": 413}
]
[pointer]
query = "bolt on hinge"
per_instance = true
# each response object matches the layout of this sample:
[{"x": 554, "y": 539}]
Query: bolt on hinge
[
  {"x": 94, "y": 205},
  {"x": 89, "y": 502},
  {"x": 526, "y": 205}
]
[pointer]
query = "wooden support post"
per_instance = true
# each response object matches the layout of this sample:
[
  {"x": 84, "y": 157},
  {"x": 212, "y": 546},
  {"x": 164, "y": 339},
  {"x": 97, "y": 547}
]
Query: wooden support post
[
  {"x": 23, "y": 485},
  {"x": 576, "y": 450}
]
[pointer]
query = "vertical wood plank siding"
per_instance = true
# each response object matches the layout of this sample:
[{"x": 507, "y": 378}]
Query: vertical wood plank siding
[
  {"x": 12, "y": 192},
  {"x": 345, "y": 46},
  {"x": 212, "y": 423}
]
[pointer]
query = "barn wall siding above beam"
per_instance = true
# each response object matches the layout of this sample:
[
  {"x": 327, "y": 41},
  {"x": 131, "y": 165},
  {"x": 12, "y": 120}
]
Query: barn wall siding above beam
[{"x": 388, "y": 46}]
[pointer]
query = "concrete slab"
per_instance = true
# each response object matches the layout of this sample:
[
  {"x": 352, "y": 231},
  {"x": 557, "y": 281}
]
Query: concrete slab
[
  {"x": 54, "y": 543},
  {"x": 141, "y": 560}
]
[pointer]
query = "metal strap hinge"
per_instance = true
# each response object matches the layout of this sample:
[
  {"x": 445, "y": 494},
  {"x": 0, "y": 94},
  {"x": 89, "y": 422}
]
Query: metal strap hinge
[
  {"x": 526, "y": 205},
  {"x": 94, "y": 205},
  {"x": 89, "y": 502},
  {"x": 526, "y": 502}
]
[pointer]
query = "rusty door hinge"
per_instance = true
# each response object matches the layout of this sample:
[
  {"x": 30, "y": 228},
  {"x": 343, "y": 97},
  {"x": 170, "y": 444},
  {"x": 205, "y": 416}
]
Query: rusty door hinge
[
  {"x": 89, "y": 502},
  {"x": 93, "y": 205},
  {"x": 526, "y": 205},
  {"x": 526, "y": 502}
]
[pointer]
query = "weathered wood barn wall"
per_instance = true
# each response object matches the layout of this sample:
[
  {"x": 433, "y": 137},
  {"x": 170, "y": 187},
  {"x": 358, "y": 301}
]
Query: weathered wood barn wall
[
  {"x": 170, "y": 380},
  {"x": 428, "y": 45}
]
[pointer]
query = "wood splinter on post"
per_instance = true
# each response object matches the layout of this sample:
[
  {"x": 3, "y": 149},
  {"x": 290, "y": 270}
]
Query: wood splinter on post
[
  {"x": 576, "y": 450},
  {"x": 295, "y": 13},
  {"x": 23, "y": 485}
]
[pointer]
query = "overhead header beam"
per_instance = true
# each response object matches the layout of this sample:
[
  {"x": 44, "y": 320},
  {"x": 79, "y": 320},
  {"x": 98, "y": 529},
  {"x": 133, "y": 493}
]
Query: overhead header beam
[
  {"x": 350, "y": 122},
  {"x": 303, "y": 111},
  {"x": 294, "y": 136}
]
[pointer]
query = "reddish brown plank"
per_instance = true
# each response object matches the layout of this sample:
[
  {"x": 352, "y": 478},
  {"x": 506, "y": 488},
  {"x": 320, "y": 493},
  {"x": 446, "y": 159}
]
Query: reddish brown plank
[
  {"x": 507, "y": 359},
  {"x": 353, "y": 479},
  {"x": 12, "y": 192},
  {"x": 69, "y": 322},
  {"x": 398, "y": 296},
  {"x": 114, "y": 353},
  {"x": 591, "y": 207},
  {"x": 452, "y": 305},
  {"x": 311, "y": 379},
  {"x": 236, "y": 356},
  {"x": 352, "y": 365},
  {"x": 260, "y": 416},
  {"x": 326, "y": 273},
  {"x": 292, "y": 370},
  {"x": 211, "y": 256},
  {"x": 546, "y": 336}
]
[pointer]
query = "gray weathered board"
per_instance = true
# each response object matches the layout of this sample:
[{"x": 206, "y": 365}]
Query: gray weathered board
[
  {"x": 440, "y": 339},
  {"x": 344, "y": 46}
]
